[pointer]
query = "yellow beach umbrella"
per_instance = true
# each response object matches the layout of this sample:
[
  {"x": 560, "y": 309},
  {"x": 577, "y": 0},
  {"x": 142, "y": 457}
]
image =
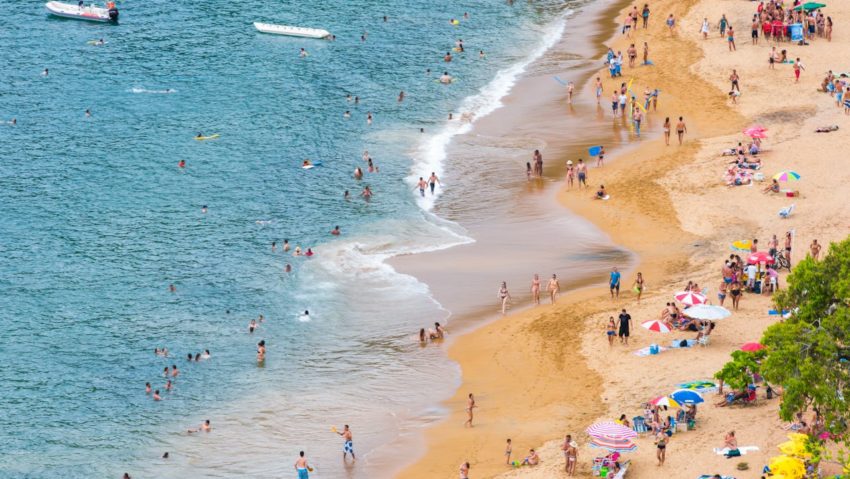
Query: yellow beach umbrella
[
  {"x": 788, "y": 467},
  {"x": 742, "y": 245},
  {"x": 794, "y": 448}
]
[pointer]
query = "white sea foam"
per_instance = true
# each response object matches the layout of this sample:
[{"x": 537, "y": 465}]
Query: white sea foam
[
  {"x": 167, "y": 91},
  {"x": 430, "y": 154}
]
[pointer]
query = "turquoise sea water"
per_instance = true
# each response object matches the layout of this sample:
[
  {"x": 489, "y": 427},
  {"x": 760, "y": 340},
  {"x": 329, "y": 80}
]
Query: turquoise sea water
[{"x": 96, "y": 221}]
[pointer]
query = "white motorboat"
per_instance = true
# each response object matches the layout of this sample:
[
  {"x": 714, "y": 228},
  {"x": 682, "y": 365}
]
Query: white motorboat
[
  {"x": 91, "y": 13},
  {"x": 291, "y": 31}
]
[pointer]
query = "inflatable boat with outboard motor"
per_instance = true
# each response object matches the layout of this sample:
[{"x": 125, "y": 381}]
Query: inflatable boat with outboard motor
[{"x": 91, "y": 13}]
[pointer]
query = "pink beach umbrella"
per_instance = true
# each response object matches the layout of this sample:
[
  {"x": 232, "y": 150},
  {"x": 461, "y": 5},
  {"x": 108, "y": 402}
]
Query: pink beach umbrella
[
  {"x": 665, "y": 401},
  {"x": 656, "y": 325},
  {"x": 610, "y": 430},
  {"x": 752, "y": 347},
  {"x": 757, "y": 134},
  {"x": 689, "y": 298},
  {"x": 760, "y": 257}
]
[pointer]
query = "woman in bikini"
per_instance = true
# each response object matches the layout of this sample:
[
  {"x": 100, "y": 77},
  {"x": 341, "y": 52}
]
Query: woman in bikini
[
  {"x": 535, "y": 289},
  {"x": 639, "y": 286},
  {"x": 504, "y": 296},
  {"x": 554, "y": 288},
  {"x": 572, "y": 458},
  {"x": 661, "y": 444},
  {"x": 470, "y": 405},
  {"x": 611, "y": 330},
  {"x": 735, "y": 291},
  {"x": 571, "y": 174},
  {"x": 667, "y": 131},
  {"x": 681, "y": 129}
]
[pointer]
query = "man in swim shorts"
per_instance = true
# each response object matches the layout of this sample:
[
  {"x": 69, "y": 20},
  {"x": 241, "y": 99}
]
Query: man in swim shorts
[
  {"x": 347, "y": 446},
  {"x": 625, "y": 323},
  {"x": 614, "y": 283},
  {"x": 422, "y": 184},
  {"x": 432, "y": 181},
  {"x": 581, "y": 169},
  {"x": 302, "y": 467}
]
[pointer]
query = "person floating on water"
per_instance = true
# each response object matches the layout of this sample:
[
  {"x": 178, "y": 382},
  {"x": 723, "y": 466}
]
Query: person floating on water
[
  {"x": 45, "y": 72},
  {"x": 448, "y": 57},
  {"x": 336, "y": 231},
  {"x": 446, "y": 78},
  {"x": 303, "y": 53}
]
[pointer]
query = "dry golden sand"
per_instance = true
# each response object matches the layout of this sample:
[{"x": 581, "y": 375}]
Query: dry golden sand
[{"x": 548, "y": 371}]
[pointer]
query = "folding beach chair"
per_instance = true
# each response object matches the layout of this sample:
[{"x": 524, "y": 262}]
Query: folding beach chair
[
  {"x": 784, "y": 213},
  {"x": 639, "y": 425}
]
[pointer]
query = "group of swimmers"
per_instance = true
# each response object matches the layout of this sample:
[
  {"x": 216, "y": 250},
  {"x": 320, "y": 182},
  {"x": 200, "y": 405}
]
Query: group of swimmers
[
  {"x": 439, "y": 332},
  {"x": 170, "y": 374}
]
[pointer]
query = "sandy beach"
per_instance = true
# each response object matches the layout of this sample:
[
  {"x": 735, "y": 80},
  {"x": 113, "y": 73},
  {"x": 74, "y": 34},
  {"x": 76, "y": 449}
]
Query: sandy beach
[{"x": 548, "y": 371}]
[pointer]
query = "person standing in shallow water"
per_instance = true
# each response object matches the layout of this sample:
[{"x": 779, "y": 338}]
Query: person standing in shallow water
[
  {"x": 504, "y": 296},
  {"x": 554, "y": 288},
  {"x": 535, "y": 290}
]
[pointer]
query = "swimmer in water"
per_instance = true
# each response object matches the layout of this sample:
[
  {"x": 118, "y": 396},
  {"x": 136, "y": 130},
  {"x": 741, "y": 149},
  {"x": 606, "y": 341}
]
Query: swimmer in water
[
  {"x": 347, "y": 114},
  {"x": 197, "y": 357},
  {"x": 432, "y": 181},
  {"x": 356, "y": 100},
  {"x": 252, "y": 326},
  {"x": 346, "y": 195},
  {"x": 88, "y": 113},
  {"x": 446, "y": 78},
  {"x": 297, "y": 251},
  {"x": 307, "y": 163},
  {"x": 305, "y": 317},
  {"x": 45, "y": 72},
  {"x": 348, "y": 98},
  {"x": 335, "y": 231},
  {"x": 168, "y": 385},
  {"x": 174, "y": 371},
  {"x": 261, "y": 351},
  {"x": 385, "y": 18},
  {"x": 205, "y": 427},
  {"x": 156, "y": 396},
  {"x": 401, "y": 96},
  {"x": 206, "y": 354},
  {"x": 147, "y": 388},
  {"x": 204, "y": 209},
  {"x": 481, "y": 54},
  {"x": 309, "y": 253},
  {"x": 181, "y": 164},
  {"x": 303, "y": 53},
  {"x": 285, "y": 245},
  {"x": 448, "y": 57},
  {"x": 172, "y": 288},
  {"x": 165, "y": 372},
  {"x": 422, "y": 338},
  {"x": 100, "y": 42},
  {"x": 422, "y": 185},
  {"x": 369, "y": 118},
  {"x": 366, "y": 193},
  {"x": 358, "y": 173},
  {"x": 287, "y": 268}
]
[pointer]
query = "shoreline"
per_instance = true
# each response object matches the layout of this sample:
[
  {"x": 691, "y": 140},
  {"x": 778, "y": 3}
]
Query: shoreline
[{"x": 648, "y": 214}]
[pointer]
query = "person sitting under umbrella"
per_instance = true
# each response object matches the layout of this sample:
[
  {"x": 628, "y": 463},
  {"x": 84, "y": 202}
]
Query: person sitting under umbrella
[{"x": 772, "y": 188}]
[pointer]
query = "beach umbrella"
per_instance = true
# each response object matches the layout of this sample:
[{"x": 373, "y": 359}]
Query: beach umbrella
[
  {"x": 656, "y": 325},
  {"x": 742, "y": 245},
  {"x": 755, "y": 127},
  {"x": 611, "y": 430},
  {"x": 760, "y": 257},
  {"x": 809, "y": 6},
  {"x": 787, "y": 466},
  {"x": 687, "y": 396},
  {"x": 752, "y": 347},
  {"x": 666, "y": 401},
  {"x": 707, "y": 312},
  {"x": 699, "y": 386},
  {"x": 613, "y": 445},
  {"x": 786, "y": 176},
  {"x": 756, "y": 134},
  {"x": 689, "y": 298}
]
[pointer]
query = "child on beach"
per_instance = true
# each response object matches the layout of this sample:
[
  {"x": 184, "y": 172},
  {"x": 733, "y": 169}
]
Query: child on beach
[{"x": 508, "y": 450}]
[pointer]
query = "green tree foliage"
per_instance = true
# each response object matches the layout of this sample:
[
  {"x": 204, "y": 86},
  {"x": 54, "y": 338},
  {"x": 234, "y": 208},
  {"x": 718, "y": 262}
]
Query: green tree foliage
[
  {"x": 738, "y": 373},
  {"x": 808, "y": 354}
]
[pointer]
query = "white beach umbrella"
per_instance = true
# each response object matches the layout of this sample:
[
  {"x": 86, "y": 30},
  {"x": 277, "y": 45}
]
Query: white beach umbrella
[{"x": 707, "y": 312}]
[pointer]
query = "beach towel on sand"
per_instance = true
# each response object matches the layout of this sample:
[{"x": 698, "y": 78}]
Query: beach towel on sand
[
  {"x": 744, "y": 450},
  {"x": 645, "y": 351}
]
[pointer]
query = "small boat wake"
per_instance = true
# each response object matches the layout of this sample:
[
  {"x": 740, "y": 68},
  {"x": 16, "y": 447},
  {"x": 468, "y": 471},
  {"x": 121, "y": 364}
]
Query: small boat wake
[{"x": 153, "y": 92}]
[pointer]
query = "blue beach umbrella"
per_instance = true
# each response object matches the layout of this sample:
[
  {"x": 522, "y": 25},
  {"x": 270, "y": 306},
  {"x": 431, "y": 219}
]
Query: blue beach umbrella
[
  {"x": 594, "y": 150},
  {"x": 687, "y": 396}
]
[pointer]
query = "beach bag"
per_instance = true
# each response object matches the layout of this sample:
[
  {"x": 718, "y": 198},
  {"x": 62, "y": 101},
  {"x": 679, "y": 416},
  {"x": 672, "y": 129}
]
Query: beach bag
[
  {"x": 603, "y": 472},
  {"x": 653, "y": 349},
  {"x": 691, "y": 424}
]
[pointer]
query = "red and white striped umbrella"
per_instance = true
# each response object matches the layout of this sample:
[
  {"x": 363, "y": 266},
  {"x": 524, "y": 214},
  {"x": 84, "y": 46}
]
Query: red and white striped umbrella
[
  {"x": 689, "y": 298},
  {"x": 610, "y": 430},
  {"x": 656, "y": 325}
]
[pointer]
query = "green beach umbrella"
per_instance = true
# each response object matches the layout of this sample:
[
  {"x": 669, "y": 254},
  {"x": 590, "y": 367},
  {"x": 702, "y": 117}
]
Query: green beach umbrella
[{"x": 809, "y": 6}]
